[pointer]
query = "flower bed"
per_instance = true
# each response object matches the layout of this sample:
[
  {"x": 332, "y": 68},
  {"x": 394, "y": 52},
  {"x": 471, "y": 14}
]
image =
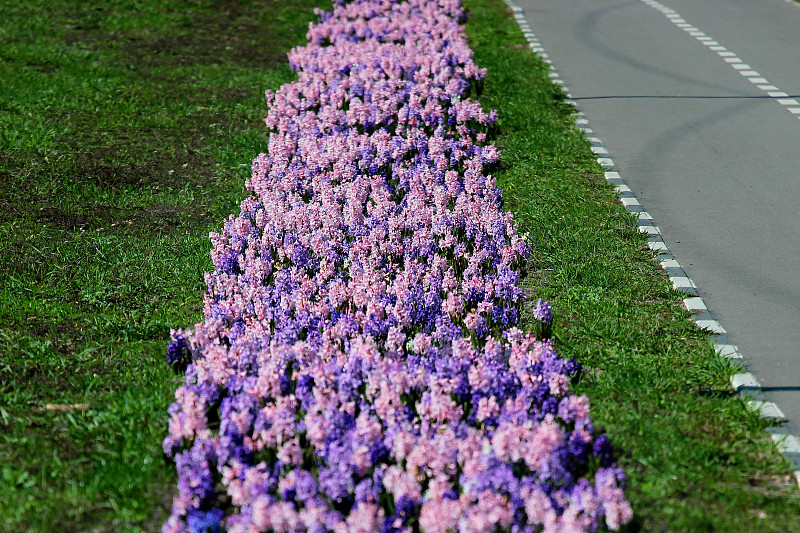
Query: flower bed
[{"x": 359, "y": 367}]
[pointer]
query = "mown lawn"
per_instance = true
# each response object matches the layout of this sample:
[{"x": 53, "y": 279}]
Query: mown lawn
[
  {"x": 126, "y": 133},
  {"x": 696, "y": 458}
]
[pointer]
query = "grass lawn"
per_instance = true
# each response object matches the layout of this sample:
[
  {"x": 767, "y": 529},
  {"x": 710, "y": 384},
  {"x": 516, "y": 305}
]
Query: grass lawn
[{"x": 126, "y": 133}]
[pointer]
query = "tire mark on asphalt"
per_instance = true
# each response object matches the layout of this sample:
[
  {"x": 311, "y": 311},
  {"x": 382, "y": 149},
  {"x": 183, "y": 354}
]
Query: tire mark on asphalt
[
  {"x": 586, "y": 32},
  {"x": 734, "y": 61}
]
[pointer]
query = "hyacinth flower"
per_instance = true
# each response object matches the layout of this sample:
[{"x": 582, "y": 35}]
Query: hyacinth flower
[
  {"x": 359, "y": 366},
  {"x": 543, "y": 314}
]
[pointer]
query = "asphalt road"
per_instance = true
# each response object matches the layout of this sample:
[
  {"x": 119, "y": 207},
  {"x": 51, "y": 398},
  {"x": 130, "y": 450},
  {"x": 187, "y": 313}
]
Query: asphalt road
[{"x": 711, "y": 156}]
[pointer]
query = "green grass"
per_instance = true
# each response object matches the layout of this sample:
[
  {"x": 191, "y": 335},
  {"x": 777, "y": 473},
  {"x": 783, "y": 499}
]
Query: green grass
[
  {"x": 696, "y": 458},
  {"x": 126, "y": 134}
]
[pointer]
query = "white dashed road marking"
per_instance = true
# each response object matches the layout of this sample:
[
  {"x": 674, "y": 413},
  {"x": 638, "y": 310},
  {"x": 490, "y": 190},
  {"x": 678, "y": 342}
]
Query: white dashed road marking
[{"x": 729, "y": 57}]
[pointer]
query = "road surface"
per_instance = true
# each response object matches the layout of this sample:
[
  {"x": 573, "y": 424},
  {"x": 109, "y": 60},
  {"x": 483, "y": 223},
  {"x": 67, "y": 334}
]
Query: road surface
[{"x": 697, "y": 104}]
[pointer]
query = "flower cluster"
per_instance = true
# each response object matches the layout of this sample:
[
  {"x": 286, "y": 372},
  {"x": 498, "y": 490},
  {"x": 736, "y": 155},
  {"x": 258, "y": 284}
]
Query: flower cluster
[{"x": 359, "y": 367}]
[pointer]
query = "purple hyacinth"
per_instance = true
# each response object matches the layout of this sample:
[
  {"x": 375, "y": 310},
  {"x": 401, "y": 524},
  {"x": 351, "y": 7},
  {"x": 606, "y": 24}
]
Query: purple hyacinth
[
  {"x": 178, "y": 353},
  {"x": 543, "y": 312}
]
